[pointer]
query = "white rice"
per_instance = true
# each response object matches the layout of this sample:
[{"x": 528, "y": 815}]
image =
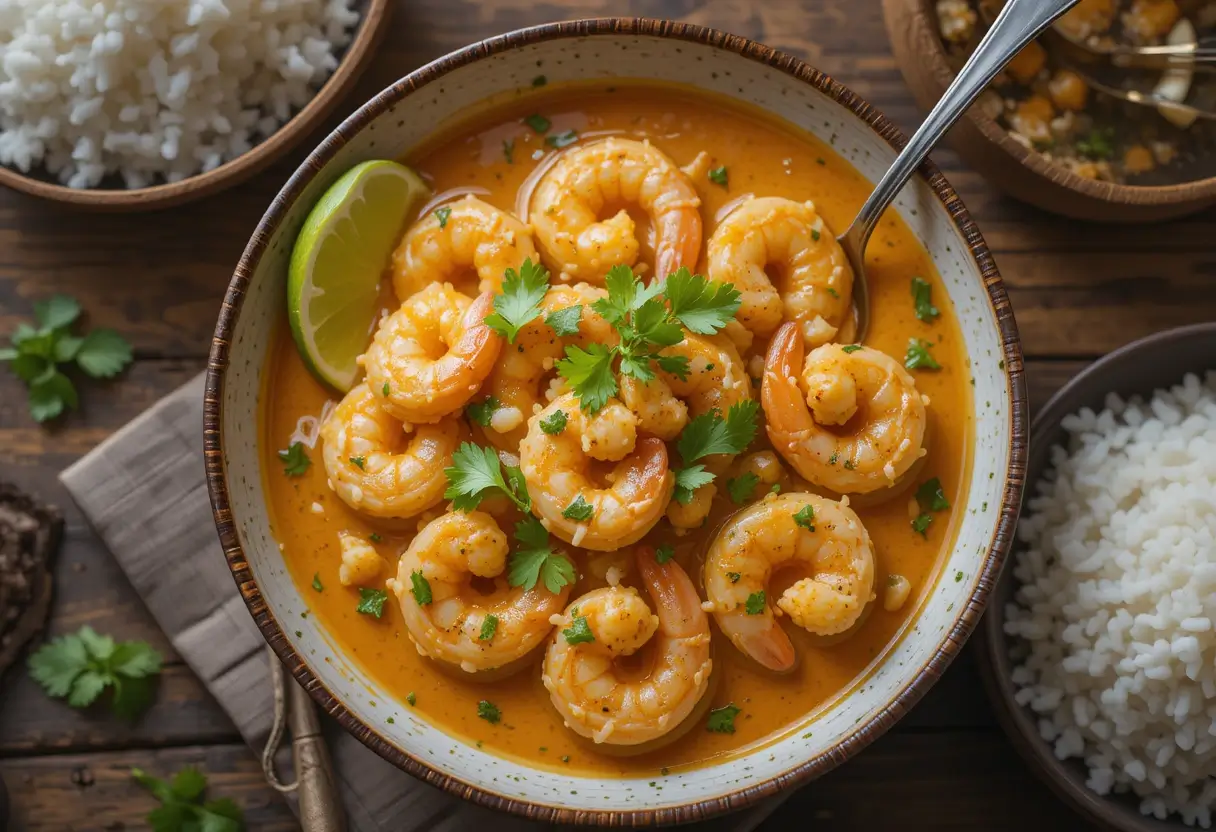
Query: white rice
[
  {"x": 1117, "y": 602},
  {"x": 156, "y": 90}
]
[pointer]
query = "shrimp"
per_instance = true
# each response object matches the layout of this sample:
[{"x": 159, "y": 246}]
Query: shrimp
[
  {"x": 558, "y": 469},
  {"x": 814, "y": 281},
  {"x": 569, "y": 198},
  {"x": 461, "y": 625},
  {"x": 828, "y": 542},
  {"x": 865, "y": 427},
  {"x": 375, "y": 467},
  {"x": 593, "y": 696},
  {"x": 430, "y": 356},
  {"x": 470, "y": 235},
  {"x": 520, "y": 377}
]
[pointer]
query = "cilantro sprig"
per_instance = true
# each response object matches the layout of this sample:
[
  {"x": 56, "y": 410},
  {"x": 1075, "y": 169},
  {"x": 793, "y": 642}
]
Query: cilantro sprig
[
  {"x": 38, "y": 355},
  {"x": 182, "y": 807},
  {"x": 476, "y": 473},
  {"x": 710, "y": 434},
  {"x": 518, "y": 304},
  {"x": 648, "y": 318},
  {"x": 80, "y": 666}
]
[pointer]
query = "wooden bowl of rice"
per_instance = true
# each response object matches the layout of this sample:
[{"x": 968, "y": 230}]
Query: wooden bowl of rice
[
  {"x": 1021, "y": 701},
  {"x": 283, "y": 120}
]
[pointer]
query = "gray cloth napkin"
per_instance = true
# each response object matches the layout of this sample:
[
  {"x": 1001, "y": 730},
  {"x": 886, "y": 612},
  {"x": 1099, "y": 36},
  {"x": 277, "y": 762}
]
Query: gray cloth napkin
[{"x": 145, "y": 493}]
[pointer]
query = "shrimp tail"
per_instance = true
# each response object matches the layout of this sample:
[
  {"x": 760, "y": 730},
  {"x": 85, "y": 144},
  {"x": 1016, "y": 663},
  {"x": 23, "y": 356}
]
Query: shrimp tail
[{"x": 675, "y": 597}]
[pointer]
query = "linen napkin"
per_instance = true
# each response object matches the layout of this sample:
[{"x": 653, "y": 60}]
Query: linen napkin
[{"x": 145, "y": 493}]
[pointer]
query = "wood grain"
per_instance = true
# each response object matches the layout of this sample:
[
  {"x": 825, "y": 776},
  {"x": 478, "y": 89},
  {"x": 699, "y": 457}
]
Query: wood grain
[{"x": 1078, "y": 290}]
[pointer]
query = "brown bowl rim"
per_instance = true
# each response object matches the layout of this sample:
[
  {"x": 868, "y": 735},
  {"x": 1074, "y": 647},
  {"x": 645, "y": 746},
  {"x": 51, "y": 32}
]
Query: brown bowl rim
[
  {"x": 1139, "y": 195},
  {"x": 1063, "y": 777},
  {"x": 371, "y": 29},
  {"x": 951, "y": 643}
]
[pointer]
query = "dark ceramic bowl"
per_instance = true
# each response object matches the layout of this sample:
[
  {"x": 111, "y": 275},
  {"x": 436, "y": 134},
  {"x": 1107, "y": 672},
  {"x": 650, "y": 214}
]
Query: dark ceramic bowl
[{"x": 1139, "y": 368}]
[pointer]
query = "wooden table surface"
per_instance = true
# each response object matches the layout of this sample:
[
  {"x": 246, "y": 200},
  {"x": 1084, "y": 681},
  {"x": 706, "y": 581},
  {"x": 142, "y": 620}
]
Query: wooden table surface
[{"x": 1078, "y": 291}]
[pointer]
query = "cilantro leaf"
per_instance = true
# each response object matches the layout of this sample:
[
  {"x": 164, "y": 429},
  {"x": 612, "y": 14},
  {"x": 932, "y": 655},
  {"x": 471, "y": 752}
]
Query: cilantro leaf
[
  {"x": 420, "y": 588},
  {"x": 442, "y": 215},
  {"x": 565, "y": 321},
  {"x": 701, "y": 306},
  {"x": 554, "y": 423},
  {"x": 722, "y": 720},
  {"x": 741, "y": 487},
  {"x": 589, "y": 372},
  {"x": 806, "y": 517},
  {"x": 710, "y": 434},
  {"x": 518, "y": 304},
  {"x": 851, "y": 348},
  {"x": 188, "y": 784},
  {"x": 688, "y": 480},
  {"x": 57, "y": 312},
  {"x": 489, "y": 626},
  {"x": 50, "y": 395},
  {"x": 182, "y": 808},
  {"x": 474, "y": 471},
  {"x": 483, "y": 411},
  {"x": 676, "y": 365},
  {"x": 488, "y": 711},
  {"x": 103, "y": 353},
  {"x": 625, "y": 293},
  {"x": 931, "y": 497},
  {"x": 651, "y": 324},
  {"x": 755, "y": 603},
  {"x": 922, "y": 294},
  {"x": 78, "y": 667},
  {"x": 534, "y": 560},
  {"x": 579, "y": 631},
  {"x": 295, "y": 460},
  {"x": 663, "y": 554},
  {"x": 719, "y": 176},
  {"x": 918, "y": 357},
  {"x": 538, "y": 123},
  {"x": 579, "y": 510},
  {"x": 734, "y": 577},
  {"x": 371, "y": 601},
  {"x": 920, "y": 524},
  {"x": 316, "y": 582}
]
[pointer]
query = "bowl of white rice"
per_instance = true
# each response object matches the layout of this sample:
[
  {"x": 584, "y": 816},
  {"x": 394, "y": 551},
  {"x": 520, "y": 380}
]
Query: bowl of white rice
[
  {"x": 140, "y": 104},
  {"x": 1099, "y": 647}
]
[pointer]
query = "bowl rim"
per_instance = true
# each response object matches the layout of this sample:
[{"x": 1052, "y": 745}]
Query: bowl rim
[
  {"x": 951, "y": 641},
  {"x": 995, "y": 665},
  {"x": 1111, "y": 192},
  {"x": 358, "y": 54}
]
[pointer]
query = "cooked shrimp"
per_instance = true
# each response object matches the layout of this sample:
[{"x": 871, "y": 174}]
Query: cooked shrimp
[
  {"x": 375, "y": 467},
  {"x": 472, "y": 235},
  {"x": 865, "y": 427},
  {"x": 520, "y": 377},
  {"x": 583, "y": 680},
  {"x": 461, "y": 625},
  {"x": 566, "y": 207},
  {"x": 828, "y": 542},
  {"x": 558, "y": 469},
  {"x": 814, "y": 281},
  {"x": 430, "y": 356}
]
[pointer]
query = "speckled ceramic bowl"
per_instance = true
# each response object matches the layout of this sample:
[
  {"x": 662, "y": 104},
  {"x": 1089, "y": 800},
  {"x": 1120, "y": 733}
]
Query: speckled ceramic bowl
[{"x": 402, "y": 116}]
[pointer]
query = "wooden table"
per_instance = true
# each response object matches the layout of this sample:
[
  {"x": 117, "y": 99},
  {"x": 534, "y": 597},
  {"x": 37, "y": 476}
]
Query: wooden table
[{"x": 1078, "y": 290}]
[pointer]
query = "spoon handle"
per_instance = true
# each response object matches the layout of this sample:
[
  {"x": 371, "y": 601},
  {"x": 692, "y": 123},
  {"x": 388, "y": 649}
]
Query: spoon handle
[{"x": 1020, "y": 22}]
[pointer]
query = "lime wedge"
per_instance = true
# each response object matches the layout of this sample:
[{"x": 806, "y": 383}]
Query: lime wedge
[{"x": 333, "y": 283}]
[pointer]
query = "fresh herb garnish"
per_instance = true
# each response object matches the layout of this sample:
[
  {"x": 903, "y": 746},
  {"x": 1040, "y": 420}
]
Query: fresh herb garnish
[
  {"x": 1099, "y": 144},
  {"x": 359, "y": 462},
  {"x": 554, "y": 423},
  {"x": 850, "y": 465},
  {"x": 37, "y": 354},
  {"x": 710, "y": 434},
  {"x": 734, "y": 577},
  {"x": 79, "y": 666},
  {"x": 371, "y": 601},
  {"x": 538, "y": 123},
  {"x": 483, "y": 411},
  {"x": 815, "y": 234},
  {"x": 742, "y": 487},
  {"x": 806, "y": 517},
  {"x": 719, "y": 176},
  {"x": 921, "y": 523},
  {"x": 411, "y": 698},
  {"x": 579, "y": 510},
  {"x": 663, "y": 554},
  {"x": 375, "y": 537},
  {"x": 534, "y": 560},
  {"x": 560, "y": 140},
  {"x": 565, "y": 321},
  {"x": 918, "y": 357},
  {"x": 489, "y": 626},
  {"x": 316, "y": 582},
  {"x": 755, "y": 603},
  {"x": 442, "y": 215},
  {"x": 488, "y": 711},
  {"x": 385, "y": 390},
  {"x": 518, "y": 304},
  {"x": 420, "y": 588},
  {"x": 722, "y": 720},
  {"x": 850, "y": 348},
  {"x": 579, "y": 631},
  {"x": 295, "y": 460},
  {"x": 922, "y": 294},
  {"x": 182, "y": 807},
  {"x": 930, "y": 497}
]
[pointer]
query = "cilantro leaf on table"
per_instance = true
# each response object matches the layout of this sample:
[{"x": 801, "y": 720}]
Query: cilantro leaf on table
[
  {"x": 38, "y": 354},
  {"x": 518, "y": 304},
  {"x": 182, "y": 807},
  {"x": 78, "y": 667}
]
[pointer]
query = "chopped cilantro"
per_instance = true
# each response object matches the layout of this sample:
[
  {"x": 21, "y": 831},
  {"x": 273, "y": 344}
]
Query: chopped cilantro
[
  {"x": 371, "y": 601},
  {"x": 931, "y": 497},
  {"x": 742, "y": 487},
  {"x": 420, "y": 588},
  {"x": 719, "y": 176},
  {"x": 554, "y": 423},
  {"x": 663, "y": 554},
  {"x": 295, "y": 460},
  {"x": 359, "y": 462},
  {"x": 806, "y": 517},
  {"x": 922, "y": 299},
  {"x": 579, "y": 510},
  {"x": 921, "y": 524},
  {"x": 918, "y": 357},
  {"x": 579, "y": 631},
  {"x": 442, "y": 215},
  {"x": 411, "y": 698},
  {"x": 1099, "y": 144},
  {"x": 483, "y": 411},
  {"x": 755, "y": 603},
  {"x": 722, "y": 720},
  {"x": 489, "y": 625},
  {"x": 850, "y": 348},
  {"x": 688, "y": 480},
  {"x": 538, "y": 123},
  {"x": 375, "y": 537},
  {"x": 734, "y": 577},
  {"x": 488, "y": 711},
  {"x": 316, "y": 582}
]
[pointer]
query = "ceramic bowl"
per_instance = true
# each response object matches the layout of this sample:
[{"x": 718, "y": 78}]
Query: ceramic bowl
[
  {"x": 988, "y": 148},
  {"x": 1160, "y": 360},
  {"x": 373, "y": 22},
  {"x": 399, "y": 118}
]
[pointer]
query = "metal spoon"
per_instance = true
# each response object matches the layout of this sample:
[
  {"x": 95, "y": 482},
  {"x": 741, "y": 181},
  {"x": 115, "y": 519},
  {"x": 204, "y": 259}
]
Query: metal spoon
[{"x": 1017, "y": 25}]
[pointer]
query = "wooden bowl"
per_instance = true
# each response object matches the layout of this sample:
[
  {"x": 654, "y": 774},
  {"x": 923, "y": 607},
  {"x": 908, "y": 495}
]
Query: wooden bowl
[
  {"x": 446, "y": 91},
  {"x": 987, "y": 146},
  {"x": 1160, "y": 360},
  {"x": 373, "y": 20}
]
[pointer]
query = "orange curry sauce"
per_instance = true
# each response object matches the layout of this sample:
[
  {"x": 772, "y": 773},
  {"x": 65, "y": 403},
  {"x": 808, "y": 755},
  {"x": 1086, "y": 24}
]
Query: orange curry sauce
[{"x": 762, "y": 157}]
